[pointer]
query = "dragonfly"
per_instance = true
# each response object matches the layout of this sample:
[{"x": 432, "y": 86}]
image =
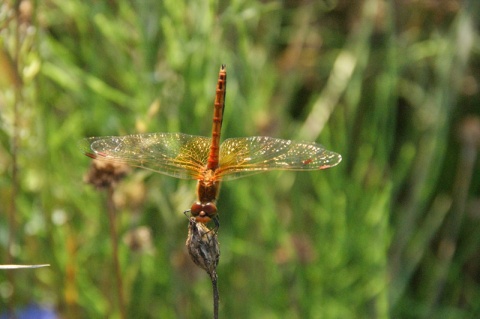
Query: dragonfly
[{"x": 206, "y": 160}]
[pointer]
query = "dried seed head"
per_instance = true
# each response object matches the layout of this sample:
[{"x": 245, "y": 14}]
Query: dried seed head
[
  {"x": 104, "y": 174},
  {"x": 469, "y": 132},
  {"x": 203, "y": 247},
  {"x": 139, "y": 239}
]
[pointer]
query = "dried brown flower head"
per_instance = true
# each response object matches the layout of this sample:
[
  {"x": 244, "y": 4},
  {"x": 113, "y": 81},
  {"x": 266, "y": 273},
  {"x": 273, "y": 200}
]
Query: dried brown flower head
[
  {"x": 203, "y": 247},
  {"x": 139, "y": 239},
  {"x": 104, "y": 174}
]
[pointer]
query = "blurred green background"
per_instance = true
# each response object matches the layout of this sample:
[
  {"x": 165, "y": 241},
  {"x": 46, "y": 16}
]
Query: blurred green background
[{"x": 393, "y": 86}]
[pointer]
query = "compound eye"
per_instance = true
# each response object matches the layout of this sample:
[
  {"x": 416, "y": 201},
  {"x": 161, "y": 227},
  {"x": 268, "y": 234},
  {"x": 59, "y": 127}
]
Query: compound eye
[
  {"x": 210, "y": 209},
  {"x": 196, "y": 208}
]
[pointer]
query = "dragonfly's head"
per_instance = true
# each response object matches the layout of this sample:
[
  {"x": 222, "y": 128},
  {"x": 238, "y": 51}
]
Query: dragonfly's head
[{"x": 203, "y": 212}]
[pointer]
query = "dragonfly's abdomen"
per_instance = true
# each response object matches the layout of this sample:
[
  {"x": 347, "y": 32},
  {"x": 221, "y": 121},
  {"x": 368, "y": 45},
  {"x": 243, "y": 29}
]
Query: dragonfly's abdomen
[{"x": 217, "y": 118}]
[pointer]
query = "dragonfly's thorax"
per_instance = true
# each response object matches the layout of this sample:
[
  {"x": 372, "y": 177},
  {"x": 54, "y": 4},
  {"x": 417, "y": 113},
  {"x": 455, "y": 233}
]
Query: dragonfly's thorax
[
  {"x": 207, "y": 191},
  {"x": 208, "y": 187}
]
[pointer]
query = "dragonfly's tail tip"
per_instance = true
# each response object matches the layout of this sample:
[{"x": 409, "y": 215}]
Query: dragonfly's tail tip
[{"x": 223, "y": 67}]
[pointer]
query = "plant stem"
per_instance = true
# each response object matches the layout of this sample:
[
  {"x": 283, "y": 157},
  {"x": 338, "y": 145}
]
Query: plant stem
[
  {"x": 114, "y": 241},
  {"x": 216, "y": 296}
]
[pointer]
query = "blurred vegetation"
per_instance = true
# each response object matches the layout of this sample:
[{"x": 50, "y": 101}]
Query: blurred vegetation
[{"x": 393, "y": 86}]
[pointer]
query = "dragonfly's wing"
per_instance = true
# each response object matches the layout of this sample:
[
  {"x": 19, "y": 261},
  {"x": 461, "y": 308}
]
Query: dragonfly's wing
[
  {"x": 243, "y": 156},
  {"x": 174, "y": 154}
]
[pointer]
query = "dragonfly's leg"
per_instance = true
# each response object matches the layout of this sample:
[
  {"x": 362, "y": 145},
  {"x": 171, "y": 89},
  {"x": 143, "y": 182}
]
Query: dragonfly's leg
[
  {"x": 216, "y": 220},
  {"x": 214, "y": 230},
  {"x": 187, "y": 213}
]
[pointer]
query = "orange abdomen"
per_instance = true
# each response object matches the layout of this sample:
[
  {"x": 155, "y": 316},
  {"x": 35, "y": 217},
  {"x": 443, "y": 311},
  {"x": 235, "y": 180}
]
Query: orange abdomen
[{"x": 217, "y": 119}]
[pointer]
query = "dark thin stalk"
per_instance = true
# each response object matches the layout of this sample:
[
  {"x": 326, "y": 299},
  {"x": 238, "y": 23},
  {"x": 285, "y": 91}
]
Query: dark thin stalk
[
  {"x": 105, "y": 175},
  {"x": 216, "y": 296},
  {"x": 204, "y": 249},
  {"x": 114, "y": 240}
]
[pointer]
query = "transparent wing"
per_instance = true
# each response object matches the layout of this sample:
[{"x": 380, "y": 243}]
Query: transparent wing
[
  {"x": 174, "y": 154},
  {"x": 249, "y": 155}
]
